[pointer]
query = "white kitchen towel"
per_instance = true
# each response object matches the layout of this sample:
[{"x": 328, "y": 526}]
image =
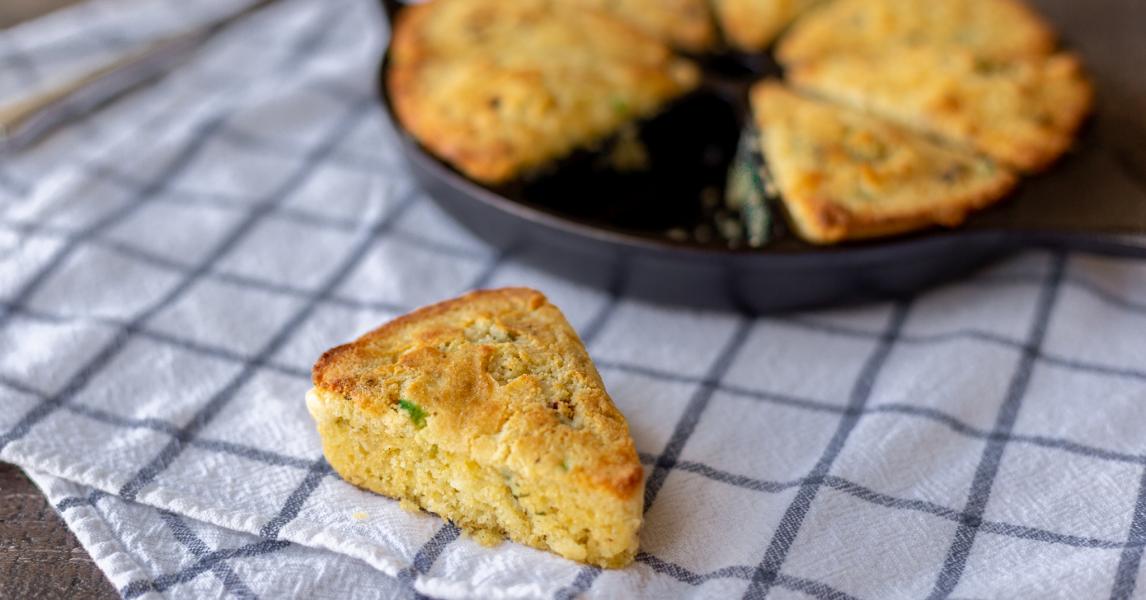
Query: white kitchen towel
[
  {"x": 147, "y": 552},
  {"x": 172, "y": 264}
]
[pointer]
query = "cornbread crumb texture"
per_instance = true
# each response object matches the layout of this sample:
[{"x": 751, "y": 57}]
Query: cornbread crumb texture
[
  {"x": 992, "y": 29},
  {"x": 488, "y": 411},
  {"x": 844, "y": 174},
  {"x": 751, "y": 25},
  {"x": 500, "y": 88},
  {"x": 1022, "y": 112},
  {"x": 685, "y": 24}
]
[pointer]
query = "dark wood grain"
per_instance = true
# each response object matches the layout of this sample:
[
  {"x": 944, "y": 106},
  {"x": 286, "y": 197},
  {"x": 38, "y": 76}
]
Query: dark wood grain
[
  {"x": 39, "y": 557},
  {"x": 16, "y": 11}
]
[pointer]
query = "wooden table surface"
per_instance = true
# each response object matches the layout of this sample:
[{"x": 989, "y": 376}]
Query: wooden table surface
[
  {"x": 14, "y": 11},
  {"x": 39, "y": 557}
]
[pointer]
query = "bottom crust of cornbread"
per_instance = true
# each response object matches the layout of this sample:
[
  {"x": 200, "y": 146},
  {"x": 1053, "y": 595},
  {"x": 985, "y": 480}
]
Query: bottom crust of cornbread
[{"x": 486, "y": 411}]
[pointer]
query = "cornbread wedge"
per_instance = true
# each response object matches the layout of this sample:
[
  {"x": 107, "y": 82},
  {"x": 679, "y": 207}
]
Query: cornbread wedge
[
  {"x": 501, "y": 88},
  {"x": 486, "y": 410},
  {"x": 992, "y": 29},
  {"x": 843, "y": 174},
  {"x": 685, "y": 24},
  {"x": 1024, "y": 113},
  {"x": 751, "y": 25}
]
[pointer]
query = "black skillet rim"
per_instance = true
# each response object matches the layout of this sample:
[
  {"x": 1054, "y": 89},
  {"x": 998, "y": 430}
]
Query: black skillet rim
[{"x": 854, "y": 252}]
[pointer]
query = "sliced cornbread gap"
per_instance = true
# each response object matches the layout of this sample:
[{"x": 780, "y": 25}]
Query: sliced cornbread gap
[
  {"x": 500, "y": 89},
  {"x": 843, "y": 174},
  {"x": 992, "y": 29},
  {"x": 486, "y": 410},
  {"x": 1022, "y": 112},
  {"x": 751, "y": 25}
]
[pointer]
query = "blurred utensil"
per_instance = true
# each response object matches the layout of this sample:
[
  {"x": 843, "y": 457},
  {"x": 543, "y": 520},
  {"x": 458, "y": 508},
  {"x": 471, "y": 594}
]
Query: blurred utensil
[{"x": 26, "y": 122}]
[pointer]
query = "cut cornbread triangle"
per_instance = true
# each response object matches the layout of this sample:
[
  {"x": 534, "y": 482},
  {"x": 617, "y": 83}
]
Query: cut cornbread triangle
[
  {"x": 499, "y": 89},
  {"x": 1022, "y": 112},
  {"x": 993, "y": 29},
  {"x": 486, "y": 410},
  {"x": 844, "y": 174}
]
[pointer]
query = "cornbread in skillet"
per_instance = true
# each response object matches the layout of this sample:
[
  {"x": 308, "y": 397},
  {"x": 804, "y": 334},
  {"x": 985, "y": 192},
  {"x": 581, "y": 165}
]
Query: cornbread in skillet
[
  {"x": 843, "y": 174},
  {"x": 486, "y": 410},
  {"x": 1023, "y": 112},
  {"x": 992, "y": 29},
  {"x": 500, "y": 88},
  {"x": 685, "y": 24},
  {"x": 751, "y": 25}
]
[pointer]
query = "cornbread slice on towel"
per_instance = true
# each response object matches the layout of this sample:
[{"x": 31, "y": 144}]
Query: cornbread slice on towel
[
  {"x": 486, "y": 410},
  {"x": 499, "y": 89},
  {"x": 1022, "y": 112},
  {"x": 993, "y": 29},
  {"x": 751, "y": 25},
  {"x": 844, "y": 174}
]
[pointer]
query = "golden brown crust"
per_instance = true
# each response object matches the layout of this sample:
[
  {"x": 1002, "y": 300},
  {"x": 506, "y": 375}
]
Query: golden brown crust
[
  {"x": 846, "y": 175},
  {"x": 487, "y": 410},
  {"x": 992, "y": 29},
  {"x": 331, "y": 372},
  {"x": 501, "y": 88},
  {"x": 500, "y": 381},
  {"x": 751, "y": 25},
  {"x": 1023, "y": 112}
]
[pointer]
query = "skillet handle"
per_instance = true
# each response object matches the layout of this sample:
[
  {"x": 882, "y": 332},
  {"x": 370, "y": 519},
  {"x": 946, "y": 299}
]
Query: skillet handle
[{"x": 1125, "y": 246}]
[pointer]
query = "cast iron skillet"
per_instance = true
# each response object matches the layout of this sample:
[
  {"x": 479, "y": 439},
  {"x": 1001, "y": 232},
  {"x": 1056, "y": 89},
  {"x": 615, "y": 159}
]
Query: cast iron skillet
[{"x": 586, "y": 223}]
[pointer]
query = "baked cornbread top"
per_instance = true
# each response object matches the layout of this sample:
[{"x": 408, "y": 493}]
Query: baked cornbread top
[
  {"x": 1022, "y": 112},
  {"x": 992, "y": 29},
  {"x": 499, "y": 88},
  {"x": 845, "y": 174},
  {"x": 496, "y": 375},
  {"x": 685, "y": 24}
]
